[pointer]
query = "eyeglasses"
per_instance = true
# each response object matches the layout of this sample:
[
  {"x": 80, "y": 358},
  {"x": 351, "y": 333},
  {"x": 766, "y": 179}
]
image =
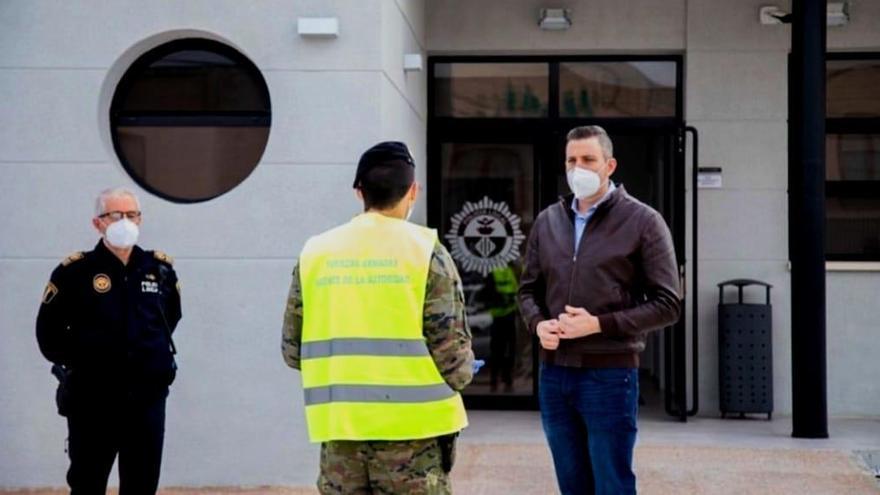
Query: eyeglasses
[{"x": 118, "y": 215}]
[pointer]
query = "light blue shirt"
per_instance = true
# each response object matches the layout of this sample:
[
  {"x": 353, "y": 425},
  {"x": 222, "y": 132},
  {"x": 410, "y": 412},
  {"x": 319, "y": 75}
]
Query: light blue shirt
[{"x": 581, "y": 220}]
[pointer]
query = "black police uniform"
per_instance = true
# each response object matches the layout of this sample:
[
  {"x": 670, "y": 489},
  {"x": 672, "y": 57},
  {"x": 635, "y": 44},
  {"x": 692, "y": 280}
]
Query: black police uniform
[{"x": 109, "y": 324}]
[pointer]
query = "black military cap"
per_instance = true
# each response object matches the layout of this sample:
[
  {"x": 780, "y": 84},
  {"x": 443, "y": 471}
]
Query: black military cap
[{"x": 384, "y": 152}]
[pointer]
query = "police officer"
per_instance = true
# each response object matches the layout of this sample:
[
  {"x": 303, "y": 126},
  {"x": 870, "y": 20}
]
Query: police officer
[
  {"x": 106, "y": 321},
  {"x": 376, "y": 322}
]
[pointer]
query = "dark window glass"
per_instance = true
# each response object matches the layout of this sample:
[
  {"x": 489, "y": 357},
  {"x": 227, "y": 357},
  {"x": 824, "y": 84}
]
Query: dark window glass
[
  {"x": 491, "y": 90},
  {"x": 852, "y": 158},
  {"x": 190, "y": 119},
  {"x": 853, "y": 88},
  {"x": 852, "y": 227},
  {"x": 617, "y": 89},
  {"x": 852, "y": 206}
]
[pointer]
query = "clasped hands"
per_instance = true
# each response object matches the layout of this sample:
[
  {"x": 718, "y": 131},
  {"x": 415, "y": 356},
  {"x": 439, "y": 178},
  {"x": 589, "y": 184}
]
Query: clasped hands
[{"x": 573, "y": 324}]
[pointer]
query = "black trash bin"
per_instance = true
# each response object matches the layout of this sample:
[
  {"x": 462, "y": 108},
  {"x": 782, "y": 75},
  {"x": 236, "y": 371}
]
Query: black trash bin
[{"x": 745, "y": 353}]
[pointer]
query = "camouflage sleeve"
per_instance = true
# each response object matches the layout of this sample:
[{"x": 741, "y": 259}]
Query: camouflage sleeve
[
  {"x": 445, "y": 327},
  {"x": 291, "y": 331}
]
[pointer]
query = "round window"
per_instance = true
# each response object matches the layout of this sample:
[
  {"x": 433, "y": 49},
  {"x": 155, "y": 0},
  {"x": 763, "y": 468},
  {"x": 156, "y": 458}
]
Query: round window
[{"x": 190, "y": 119}]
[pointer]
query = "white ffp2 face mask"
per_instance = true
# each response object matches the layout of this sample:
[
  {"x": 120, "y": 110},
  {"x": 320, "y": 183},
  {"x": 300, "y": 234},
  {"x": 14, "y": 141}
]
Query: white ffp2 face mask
[
  {"x": 122, "y": 233},
  {"x": 582, "y": 182}
]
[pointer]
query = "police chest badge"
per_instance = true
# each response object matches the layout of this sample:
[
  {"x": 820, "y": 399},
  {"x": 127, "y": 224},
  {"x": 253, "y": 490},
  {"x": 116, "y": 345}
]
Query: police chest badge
[
  {"x": 485, "y": 235},
  {"x": 101, "y": 283}
]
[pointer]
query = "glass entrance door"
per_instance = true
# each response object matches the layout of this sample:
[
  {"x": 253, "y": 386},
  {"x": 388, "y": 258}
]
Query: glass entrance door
[{"x": 496, "y": 147}]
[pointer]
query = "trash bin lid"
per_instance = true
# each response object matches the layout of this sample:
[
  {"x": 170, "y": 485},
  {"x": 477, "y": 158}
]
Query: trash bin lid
[{"x": 743, "y": 282}]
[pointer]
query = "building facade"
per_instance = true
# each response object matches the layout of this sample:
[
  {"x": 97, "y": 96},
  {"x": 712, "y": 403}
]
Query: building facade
[{"x": 281, "y": 154}]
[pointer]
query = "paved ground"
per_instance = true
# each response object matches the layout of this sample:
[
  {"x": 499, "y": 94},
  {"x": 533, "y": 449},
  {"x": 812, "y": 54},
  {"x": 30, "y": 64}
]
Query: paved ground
[
  {"x": 702, "y": 456},
  {"x": 504, "y": 453},
  {"x": 518, "y": 469}
]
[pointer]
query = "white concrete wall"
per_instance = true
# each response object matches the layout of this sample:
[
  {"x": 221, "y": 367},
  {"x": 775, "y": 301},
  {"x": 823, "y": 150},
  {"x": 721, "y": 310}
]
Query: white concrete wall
[
  {"x": 235, "y": 414},
  {"x": 511, "y": 27},
  {"x": 404, "y": 111},
  {"x": 736, "y": 96},
  {"x": 736, "y": 87}
]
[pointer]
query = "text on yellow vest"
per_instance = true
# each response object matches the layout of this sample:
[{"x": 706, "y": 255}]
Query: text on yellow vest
[{"x": 367, "y": 372}]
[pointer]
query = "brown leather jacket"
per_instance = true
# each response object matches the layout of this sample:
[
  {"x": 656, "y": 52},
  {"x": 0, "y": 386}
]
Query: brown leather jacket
[{"x": 624, "y": 273}]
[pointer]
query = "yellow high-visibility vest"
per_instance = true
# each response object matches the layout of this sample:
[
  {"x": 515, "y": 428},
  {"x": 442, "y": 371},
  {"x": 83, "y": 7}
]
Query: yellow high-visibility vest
[
  {"x": 366, "y": 369},
  {"x": 506, "y": 287}
]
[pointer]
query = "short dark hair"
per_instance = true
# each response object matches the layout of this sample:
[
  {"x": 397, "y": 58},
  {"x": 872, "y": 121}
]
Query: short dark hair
[
  {"x": 385, "y": 184},
  {"x": 590, "y": 131}
]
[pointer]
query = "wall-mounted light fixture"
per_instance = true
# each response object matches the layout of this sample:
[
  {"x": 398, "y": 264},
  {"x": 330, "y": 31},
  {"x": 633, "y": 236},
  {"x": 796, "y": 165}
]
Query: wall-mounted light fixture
[
  {"x": 554, "y": 19},
  {"x": 836, "y": 14},
  {"x": 317, "y": 27},
  {"x": 412, "y": 62}
]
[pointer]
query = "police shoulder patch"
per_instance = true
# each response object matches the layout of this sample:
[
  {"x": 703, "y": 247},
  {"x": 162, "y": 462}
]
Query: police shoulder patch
[
  {"x": 49, "y": 293},
  {"x": 161, "y": 256},
  {"x": 72, "y": 258}
]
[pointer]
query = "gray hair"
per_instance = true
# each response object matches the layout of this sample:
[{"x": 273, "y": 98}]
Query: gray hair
[
  {"x": 590, "y": 131},
  {"x": 113, "y": 192}
]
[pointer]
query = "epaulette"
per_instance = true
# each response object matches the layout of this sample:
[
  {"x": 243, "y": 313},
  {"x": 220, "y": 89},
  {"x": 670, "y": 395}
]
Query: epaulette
[
  {"x": 161, "y": 256},
  {"x": 72, "y": 258}
]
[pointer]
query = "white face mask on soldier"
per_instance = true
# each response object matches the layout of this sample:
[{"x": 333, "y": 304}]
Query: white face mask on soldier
[
  {"x": 122, "y": 233},
  {"x": 582, "y": 182}
]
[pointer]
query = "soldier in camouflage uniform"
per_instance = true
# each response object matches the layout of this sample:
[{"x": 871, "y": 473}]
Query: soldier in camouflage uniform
[{"x": 397, "y": 467}]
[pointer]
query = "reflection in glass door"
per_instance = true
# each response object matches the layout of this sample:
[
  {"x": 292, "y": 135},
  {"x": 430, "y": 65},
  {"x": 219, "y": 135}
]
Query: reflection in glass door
[{"x": 486, "y": 209}]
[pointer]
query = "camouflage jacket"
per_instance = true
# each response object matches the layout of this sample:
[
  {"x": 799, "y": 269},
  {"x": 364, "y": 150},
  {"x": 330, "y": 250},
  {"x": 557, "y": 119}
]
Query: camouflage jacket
[{"x": 445, "y": 328}]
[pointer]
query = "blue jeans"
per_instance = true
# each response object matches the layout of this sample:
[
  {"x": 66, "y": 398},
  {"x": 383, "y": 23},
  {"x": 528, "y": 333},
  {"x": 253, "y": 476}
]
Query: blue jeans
[{"x": 589, "y": 418}]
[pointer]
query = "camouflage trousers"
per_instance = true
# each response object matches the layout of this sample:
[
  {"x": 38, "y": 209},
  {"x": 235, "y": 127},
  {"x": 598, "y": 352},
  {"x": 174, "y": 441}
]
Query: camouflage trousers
[{"x": 406, "y": 467}]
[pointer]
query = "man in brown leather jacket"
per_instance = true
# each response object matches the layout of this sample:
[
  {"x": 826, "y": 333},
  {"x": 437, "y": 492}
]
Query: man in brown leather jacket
[{"x": 600, "y": 273}]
